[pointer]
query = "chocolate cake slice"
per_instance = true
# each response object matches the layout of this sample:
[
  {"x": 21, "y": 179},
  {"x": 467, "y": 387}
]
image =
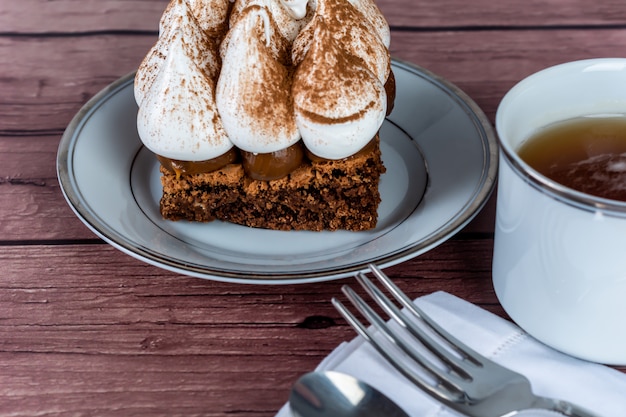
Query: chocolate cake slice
[{"x": 319, "y": 195}]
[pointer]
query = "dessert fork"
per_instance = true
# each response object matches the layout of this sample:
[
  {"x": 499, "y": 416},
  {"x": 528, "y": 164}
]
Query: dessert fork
[{"x": 445, "y": 368}]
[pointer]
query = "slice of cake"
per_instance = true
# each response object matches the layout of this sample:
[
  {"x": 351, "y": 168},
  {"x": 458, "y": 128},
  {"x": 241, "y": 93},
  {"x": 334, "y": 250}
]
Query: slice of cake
[
  {"x": 268, "y": 114},
  {"x": 318, "y": 195}
]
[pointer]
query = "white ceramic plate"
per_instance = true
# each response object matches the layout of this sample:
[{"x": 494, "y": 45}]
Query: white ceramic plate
[{"x": 439, "y": 149}]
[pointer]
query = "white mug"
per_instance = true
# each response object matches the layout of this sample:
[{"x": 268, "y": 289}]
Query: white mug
[{"x": 559, "y": 262}]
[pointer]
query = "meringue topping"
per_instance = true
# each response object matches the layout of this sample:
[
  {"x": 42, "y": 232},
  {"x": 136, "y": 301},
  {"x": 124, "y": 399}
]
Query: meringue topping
[
  {"x": 289, "y": 15},
  {"x": 212, "y": 15},
  {"x": 373, "y": 14},
  {"x": 203, "y": 49},
  {"x": 351, "y": 30},
  {"x": 254, "y": 88},
  {"x": 297, "y": 8},
  {"x": 266, "y": 77},
  {"x": 177, "y": 118},
  {"x": 339, "y": 102}
]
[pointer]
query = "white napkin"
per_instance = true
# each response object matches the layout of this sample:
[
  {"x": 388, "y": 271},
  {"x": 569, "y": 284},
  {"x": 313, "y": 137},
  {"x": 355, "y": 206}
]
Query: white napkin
[{"x": 552, "y": 374}]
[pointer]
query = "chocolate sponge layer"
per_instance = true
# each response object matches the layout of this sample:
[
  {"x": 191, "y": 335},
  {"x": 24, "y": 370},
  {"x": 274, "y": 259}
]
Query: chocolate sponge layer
[{"x": 319, "y": 195}]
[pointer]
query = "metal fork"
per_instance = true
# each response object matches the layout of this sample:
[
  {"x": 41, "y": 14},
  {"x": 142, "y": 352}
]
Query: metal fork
[{"x": 447, "y": 369}]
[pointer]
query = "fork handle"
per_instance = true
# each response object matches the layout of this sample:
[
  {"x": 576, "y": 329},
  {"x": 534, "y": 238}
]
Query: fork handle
[{"x": 564, "y": 407}]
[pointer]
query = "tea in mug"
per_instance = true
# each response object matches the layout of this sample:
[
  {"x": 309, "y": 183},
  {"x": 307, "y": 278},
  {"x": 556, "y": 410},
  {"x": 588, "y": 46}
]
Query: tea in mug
[{"x": 586, "y": 154}]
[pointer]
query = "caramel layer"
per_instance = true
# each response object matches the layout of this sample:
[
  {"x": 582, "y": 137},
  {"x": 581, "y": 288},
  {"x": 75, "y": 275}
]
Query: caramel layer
[
  {"x": 198, "y": 167},
  {"x": 390, "y": 89},
  {"x": 274, "y": 165},
  {"x": 264, "y": 167}
]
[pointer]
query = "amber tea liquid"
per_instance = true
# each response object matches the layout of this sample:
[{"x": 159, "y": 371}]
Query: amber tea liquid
[{"x": 587, "y": 154}]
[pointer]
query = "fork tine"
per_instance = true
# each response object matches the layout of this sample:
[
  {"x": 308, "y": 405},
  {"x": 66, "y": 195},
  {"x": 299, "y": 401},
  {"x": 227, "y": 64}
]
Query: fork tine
[
  {"x": 454, "y": 362},
  {"x": 490, "y": 390},
  {"x": 461, "y": 348},
  {"x": 445, "y": 387}
]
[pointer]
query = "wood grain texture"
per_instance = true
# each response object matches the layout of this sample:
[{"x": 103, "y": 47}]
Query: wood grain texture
[
  {"x": 31, "y": 201},
  {"x": 87, "y": 330},
  {"x": 47, "y": 83},
  {"x": 51, "y": 78},
  {"x": 86, "y": 16}
]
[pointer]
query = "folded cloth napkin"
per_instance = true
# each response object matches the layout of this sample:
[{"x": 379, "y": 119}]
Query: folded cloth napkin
[{"x": 553, "y": 374}]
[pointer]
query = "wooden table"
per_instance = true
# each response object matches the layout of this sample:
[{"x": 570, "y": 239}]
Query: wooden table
[{"x": 88, "y": 330}]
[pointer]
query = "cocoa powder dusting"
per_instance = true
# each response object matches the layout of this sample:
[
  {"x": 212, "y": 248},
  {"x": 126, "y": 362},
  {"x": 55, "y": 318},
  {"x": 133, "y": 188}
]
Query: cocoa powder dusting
[
  {"x": 343, "y": 79},
  {"x": 267, "y": 95}
]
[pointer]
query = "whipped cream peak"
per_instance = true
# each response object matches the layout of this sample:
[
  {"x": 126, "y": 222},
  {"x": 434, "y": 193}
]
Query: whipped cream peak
[
  {"x": 372, "y": 13},
  {"x": 267, "y": 29},
  {"x": 297, "y": 8},
  {"x": 352, "y": 30},
  {"x": 211, "y": 15},
  {"x": 339, "y": 102},
  {"x": 283, "y": 13},
  {"x": 262, "y": 75},
  {"x": 177, "y": 118},
  {"x": 203, "y": 49},
  {"x": 253, "y": 92}
]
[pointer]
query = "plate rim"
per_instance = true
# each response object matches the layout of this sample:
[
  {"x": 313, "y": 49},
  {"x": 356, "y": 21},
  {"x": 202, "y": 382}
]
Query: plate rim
[{"x": 468, "y": 211}]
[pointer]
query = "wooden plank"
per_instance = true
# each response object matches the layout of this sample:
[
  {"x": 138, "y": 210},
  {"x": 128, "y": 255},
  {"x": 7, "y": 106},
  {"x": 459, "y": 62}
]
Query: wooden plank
[
  {"x": 45, "y": 286},
  {"x": 75, "y": 16},
  {"x": 35, "y": 210},
  {"x": 46, "y": 84},
  {"x": 186, "y": 344},
  {"x": 147, "y": 384},
  {"x": 531, "y": 13},
  {"x": 31, "y": 202},
  {"x": 68, "y": 384},
  {"x": 485, "y": 64},
  {"x": 27, "y": 159},
  {"x": 176, "y": 338},
  {"x": 49, "y": 277}
]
